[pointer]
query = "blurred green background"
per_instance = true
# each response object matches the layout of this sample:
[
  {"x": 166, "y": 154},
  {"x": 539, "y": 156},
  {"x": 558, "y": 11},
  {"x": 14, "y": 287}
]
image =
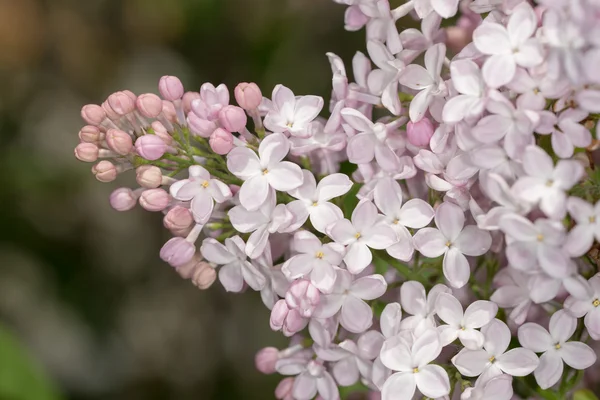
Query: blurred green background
[{"x": 87, "y": 309}]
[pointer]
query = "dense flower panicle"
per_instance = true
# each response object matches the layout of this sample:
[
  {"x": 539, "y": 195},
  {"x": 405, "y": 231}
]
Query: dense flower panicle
[{"x": 464, "y": 187}]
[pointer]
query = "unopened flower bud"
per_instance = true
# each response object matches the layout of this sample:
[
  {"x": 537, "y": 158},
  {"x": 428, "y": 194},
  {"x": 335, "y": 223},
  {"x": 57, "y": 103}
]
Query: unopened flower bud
[
  {"x": 233, "y": 118},
  {"x": 93, "y": 114},
  {"x": 161, "y": 132},
  {"x": 199, "y": 126},
  {"x": 186, "y": 271},
  {"x": 169, "y": 111},
  {"x": 177, "y": 252},
  {"x": 105, "y": 171},
  {"x": 87, "y": 152},
  {"x": 91, "y": 134},
  {"x": 122, "y": 103},
  {"x": 419, "y": 133},
  {"x": 204, "y": 276},
  {"x": 283, "y": 391},
  {"x": 148, "y": 176},
  {"x": 278, "y": 315},
  {"x": 221, "y": 141},
  {"x": 266, "y": 359},
  {"x": 150, "y": 147},
  {"x": 303, "y": 296},
  {"x": 248, "y": 95},
  {"x": 188, "y": 97},
  {"x": 110, "y": 113},
  {"x": 294, "y": 323},
  {"x": 123, "y": 199},
  {"x": 149, "y": 105},
  {"x": 131, "y": 95},
  {"x": 178, "y": 219},
  {"x": 170, "y": 88},
  {"x": 155, "y": 199},
  {"x": 119, "y": 141}
]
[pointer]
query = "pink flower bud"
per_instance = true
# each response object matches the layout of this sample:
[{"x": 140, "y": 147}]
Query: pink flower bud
[
  {"x": 105, "y": 171},
  {"x": 278, "y": 315},
  {"x": 161, "y": 132},
  {"x": 119, "y": 142},
  {"x": 131, "y": 95},
  {"x": 148, "y": 176},
  {"x": 87, "y": 152},
  {"x": 199, "y": 126},
  {"x": 204, "y": 276},
  {"x": 93, "y": 114},
  {"x": 186, "y": 271},
  {"x": 177, "y": 252},
  {"x": 149, "y": 105},
  {"x": 121, "y": 103},
  {"x": 232, "y": 118},
  {"x": 266, "y": 359},
  {"x": 123, "y": 199},
  {"x": 110, "y": 113},
  {"x": 303, "y": 297},
  {"x": 248, "y": 95},
  {"x": 91, "y": 134},
  {"x": 169, "y": 111},
  {"x": 221, "y": 141},
  {"x": 150, "y": 147},
  {"x": 294, "y": 323},
  {"x": 155, "y": 199},
  {"x": 283, "y": 391},
  {"x": 188, "y": 97},
  {"x": 170, "y": 88},
  {"x": 178, "y": 219},
  {"x": 419, "y": 133}
]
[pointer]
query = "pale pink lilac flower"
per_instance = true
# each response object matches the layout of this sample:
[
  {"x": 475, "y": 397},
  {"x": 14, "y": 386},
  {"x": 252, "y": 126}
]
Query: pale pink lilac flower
[
  {"x": 264, "y": 171},
  {"x": 497, "y": 388},
  {"x": 587, "y": 216},
  {"x": 513, "y": 292},
  {"x": 312, "y": 378},
  {"x": 588, "y": 307},
  {"x": 292, "y": 114},
  {"x": 420, "y": 305},
  {"x": 472, "y": 97},
  {"x": 384, "y": 81},
  {"x": 390, "y": 323},
  {"x": 567, "y": 132},
  {"x": 452, "y": 240},
  {"x": 365, "y": 231}
]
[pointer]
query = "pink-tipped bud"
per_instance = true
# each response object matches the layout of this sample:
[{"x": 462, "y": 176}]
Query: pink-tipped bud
[
  {"x": 123, "y": 199},
  {"x": 122, "y": 103},
  {"x": 200, "y": 126},
  {"x": 204, "y": 276},
  {"x": 87, "y": 152},
  {"x": 283, "y": 391},
  {"x": 91, "y": 134},
  {"x": 303, "y": 296},
  {"x": 169, "y": 111},
  {"x": 178, "y": 219},
  {"x": 419, "y": 133},
  {"x": 93, "y": 114},
  {"x": 148, "y": 176},
  {"x": 188, "y": 97},
  {"x": 150, "y": 147},
  {"x": 248, "y": 95},
  {"x": 119, "y": 141},
  {"x": 155, "y": 199},
  {"x": 177, "y": 252},
  {"x": 170, "y": 88},
  {"x": 221, "y": 141},
  {"x": 105, "y": 171},
  {"x": 266, "y": 359},
  {"x": 161, "y": 132},
  {"x": 279, "y": 313},
  {"x": 187, "y": 270},
  {"x": 149, "y": 105},
  {"x": 110, "y": 113},
  {"x": 130, "y": 94},
  {"x": 294, "y": 323},
  {"x": 233, "y": 118}
]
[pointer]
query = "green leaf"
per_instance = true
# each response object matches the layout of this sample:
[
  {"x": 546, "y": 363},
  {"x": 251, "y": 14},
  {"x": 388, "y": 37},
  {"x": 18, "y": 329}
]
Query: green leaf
[
  {"x": 21, "y": 378},
  {"x": 584, "y": 394},
  {"x": 350, "y": 200}
]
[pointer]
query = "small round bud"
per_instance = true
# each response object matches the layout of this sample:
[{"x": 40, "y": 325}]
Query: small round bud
[
  {"x": 121, "y": 103},
  {"x": 131, "y": 95},
  {"x": 279, "y": 314},
  {"x": 148, "y": 176},
  {"x": 87, "y": 152},
  {"x": 91, "y": 134},
  {"x": 266, "y": 359},
  {"x": 169, "y": 111},
  {"x": 283, "y": 391},
  {"x": 221, "y": 141},
  {"x": 170, "y": 88},
  {"x": 419, "y": 133},
  {"x": 119, "y": 141},
  {"x": 122, "y": 199},
  {"x": 187, "y": 270},
  {"x": 93, "y": 114},
  {"x": 105, "y": 171},
  {"x": 233, "y": 118},
  {"x": 149, "y": 105},
  {"x": 204, "y": 276},
  {"x": 161, "y": 132},
  {"x": 178, "y": 219},
  {"x": 303, "y": 297},
  {"x": 177, "y": 252},
  {"x": 110, "y": 113},
  {"x": 155, "y": 199},
  {"x": 200, "y": 126},
  {"x": 248, "y": 95},
  {"x": 150, "y": 147},
  {"x": 188, "y": 97}
]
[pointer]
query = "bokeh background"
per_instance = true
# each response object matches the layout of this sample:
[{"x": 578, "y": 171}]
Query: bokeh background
[{"x": 87, "y": 309}]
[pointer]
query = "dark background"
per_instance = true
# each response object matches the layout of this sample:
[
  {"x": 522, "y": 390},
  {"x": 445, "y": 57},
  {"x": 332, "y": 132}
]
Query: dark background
[{"x": 87, "y": 309}]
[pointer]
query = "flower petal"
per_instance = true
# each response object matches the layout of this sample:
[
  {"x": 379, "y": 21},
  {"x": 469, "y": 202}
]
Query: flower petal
[
  {"x": 578, "y": 355},
  {"x": 480, "y": 313},
  {"x": 450, "y": 220},
  {"x": 358, "y": 257},
  {"x": 533, "y": 337},
  {"x": 473, "y": 241},
  {"x": 369, "y": 287},
  {"x": 518, "y": 362},
  {"x": 356, "y": 315},
  {"x": 285, "y": 176},
  {"x": 332, "y": 186},
  {"x": 254, "y": 192},
  {"x": 430, "y": 242},
  {"x": 549, "y": 370},
  {"x": 471, "y": 362},
  {"x": 449, "y": 309},
  {"x": 215, "y": 252},
  {"x": 456, "y": 268},
  {"x": 395, "y": 354},
  {"x": 401, "y": 385},
  {"x": 433, "y": 381},
  {"x": 243, "y": 162}
]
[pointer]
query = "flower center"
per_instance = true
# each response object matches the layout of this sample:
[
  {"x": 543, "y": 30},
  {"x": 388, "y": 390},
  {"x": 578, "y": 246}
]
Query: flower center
[
  {"x": 357, "y": 235},
  {"x": 462, "y": 328},
  {"x": 596, "y": 303},
  {"x": 265, "y": 171},
  {"x": 290, "y": 125},
  {"x": 448, "y": 243},
  {"x": 205, "y": 184},
  {"x": 557, "y": 346},
  {"x": 395, "y": 221},
  {"x": 319, "y": 254},
  {"x": 592, "y": 219},
  {"x": 540, "y": 237},
  {"x": 314, "y": 204},
  {"x": 549, "y": 183},
  {"x": 415, "y": 370},
  {"x": 492, "y": 359}
]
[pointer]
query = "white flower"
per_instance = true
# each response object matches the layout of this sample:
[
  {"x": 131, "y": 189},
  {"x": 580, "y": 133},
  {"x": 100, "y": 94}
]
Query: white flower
[
  {"x": 587, "y": 216},
  {"x": 415, "y": 301},
  {"x": 390, "y": 323},
  {"x": 293, "y": 114},
  {"x": 555, "y": 347},
  {"x": 470, "y": 103},
  {"x": 493, "y": 359},
  {"x": 463, "y": 325},
  {"x": 412, "y": 362},
  {"x": 514, "y": 292},
  {"x": 498, "y": 388},
  {"x": 588, "y": 307},
  {"x": 312, "y": 378},
  {"x": 264, "y": 171}
]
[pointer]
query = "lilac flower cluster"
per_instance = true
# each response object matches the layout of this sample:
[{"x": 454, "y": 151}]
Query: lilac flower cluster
[{"x": 467, "y": 179}]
